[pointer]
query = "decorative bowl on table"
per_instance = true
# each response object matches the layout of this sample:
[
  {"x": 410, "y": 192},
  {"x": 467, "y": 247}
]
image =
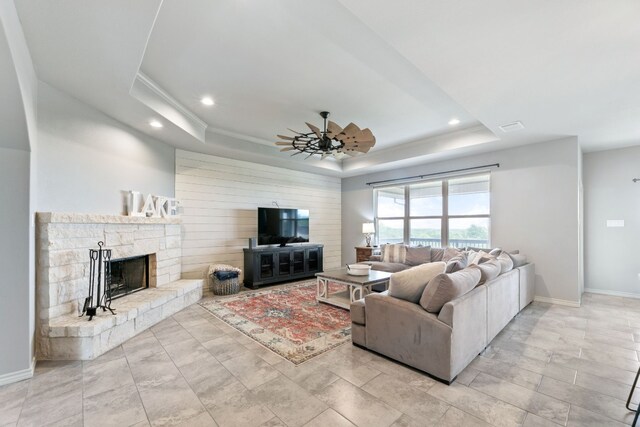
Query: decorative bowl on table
[{"x": 359, "y": 269}]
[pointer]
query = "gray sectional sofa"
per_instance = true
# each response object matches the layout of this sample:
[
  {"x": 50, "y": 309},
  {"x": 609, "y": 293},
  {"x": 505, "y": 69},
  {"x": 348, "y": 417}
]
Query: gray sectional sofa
[{"x": 442, "y": 344}]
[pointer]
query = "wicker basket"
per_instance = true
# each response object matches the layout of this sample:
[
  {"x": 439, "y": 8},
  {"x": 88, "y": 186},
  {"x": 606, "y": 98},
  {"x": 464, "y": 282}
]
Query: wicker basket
[{"x": 224, "y": 287}]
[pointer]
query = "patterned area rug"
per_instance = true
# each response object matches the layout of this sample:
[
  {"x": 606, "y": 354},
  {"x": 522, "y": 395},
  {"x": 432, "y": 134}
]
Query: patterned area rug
[{"x": 287, "y": 320}]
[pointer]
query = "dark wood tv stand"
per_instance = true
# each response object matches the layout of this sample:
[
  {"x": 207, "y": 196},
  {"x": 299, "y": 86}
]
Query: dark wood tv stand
[{"x": 265, "y": 265}]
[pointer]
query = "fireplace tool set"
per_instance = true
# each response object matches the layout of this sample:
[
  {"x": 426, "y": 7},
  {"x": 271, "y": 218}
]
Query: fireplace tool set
[{"x": 99, "y": 277}]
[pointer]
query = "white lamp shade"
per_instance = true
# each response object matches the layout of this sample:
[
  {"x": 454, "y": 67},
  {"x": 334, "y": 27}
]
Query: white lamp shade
[{"x": 368, "y": 228}]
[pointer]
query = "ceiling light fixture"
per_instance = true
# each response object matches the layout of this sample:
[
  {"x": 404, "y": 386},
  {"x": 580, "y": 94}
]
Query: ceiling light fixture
[
  {"x": 207, "y": 100},
  {"x": 332, "y": 140},
  {"x": 155, "y": 124},
  {"x": 454, "y": 122}
]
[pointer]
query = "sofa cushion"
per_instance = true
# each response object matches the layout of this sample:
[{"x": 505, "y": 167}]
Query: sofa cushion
[
  {"x": 437, "y": 254},
  {"x": 409, "y": 284},
  {"x": 518, "y": 260},
  {"x": 505, "y": 262},
  {"x": 394, "y": 252},
  {"x": 446, "y": 287},
  {"x": 389, "y": 267},
  {"x": 488, "y": 270},
  {"x": 417, "y": 255}
]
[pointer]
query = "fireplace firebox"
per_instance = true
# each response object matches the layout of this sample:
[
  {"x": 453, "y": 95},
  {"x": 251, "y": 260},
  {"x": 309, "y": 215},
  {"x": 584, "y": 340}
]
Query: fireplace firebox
[{"x": 127, "y": 275}]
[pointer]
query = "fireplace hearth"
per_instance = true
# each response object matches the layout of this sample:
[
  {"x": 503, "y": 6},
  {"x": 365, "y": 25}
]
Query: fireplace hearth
[{"x": 128, "y": 275}]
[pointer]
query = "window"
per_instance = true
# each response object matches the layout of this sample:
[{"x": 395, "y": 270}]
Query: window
[{"x": 445, "y": 212}]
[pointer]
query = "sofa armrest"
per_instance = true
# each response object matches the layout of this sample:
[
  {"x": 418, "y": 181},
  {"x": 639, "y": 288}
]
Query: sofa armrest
[
  {"x": 377, "y": 258},
  {"x": 406, "y": 332},
  {"x": 527, "y": 284},
  {"x": 357, "y": 311},
  {"x": 467, "y": 316}
]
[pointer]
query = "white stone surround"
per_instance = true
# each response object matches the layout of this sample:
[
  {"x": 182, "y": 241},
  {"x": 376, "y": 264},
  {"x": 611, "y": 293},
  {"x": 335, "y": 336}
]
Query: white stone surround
[{"x": 63, "y": 243}]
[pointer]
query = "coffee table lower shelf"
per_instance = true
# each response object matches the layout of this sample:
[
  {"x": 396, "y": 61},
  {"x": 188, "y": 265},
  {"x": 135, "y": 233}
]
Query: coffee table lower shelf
[{"x": 356, "y": 287}]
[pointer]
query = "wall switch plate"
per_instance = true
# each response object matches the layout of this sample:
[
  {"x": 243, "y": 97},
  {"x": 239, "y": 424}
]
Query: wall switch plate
[{"x": 615, "y": 223}]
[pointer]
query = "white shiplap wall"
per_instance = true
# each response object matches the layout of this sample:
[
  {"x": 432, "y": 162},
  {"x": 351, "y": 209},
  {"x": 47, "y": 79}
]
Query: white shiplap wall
[{"x": 220, "y": 198}]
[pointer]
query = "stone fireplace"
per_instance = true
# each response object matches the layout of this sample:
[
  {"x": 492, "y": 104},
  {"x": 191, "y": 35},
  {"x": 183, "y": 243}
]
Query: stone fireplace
[{"x": 145, "y": 277}]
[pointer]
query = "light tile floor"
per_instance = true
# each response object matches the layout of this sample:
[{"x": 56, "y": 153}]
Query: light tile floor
[{"x": 552, "y": 365}]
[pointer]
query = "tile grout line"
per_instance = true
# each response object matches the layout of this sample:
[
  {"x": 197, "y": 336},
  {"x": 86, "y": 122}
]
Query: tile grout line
[{"x": 144, "y": 408}]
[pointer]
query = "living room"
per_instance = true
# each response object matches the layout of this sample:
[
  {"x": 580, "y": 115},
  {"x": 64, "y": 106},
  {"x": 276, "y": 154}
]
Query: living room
[{"x": 161, "y": 130}]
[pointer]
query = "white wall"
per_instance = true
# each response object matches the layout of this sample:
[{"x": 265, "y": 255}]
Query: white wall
[
  {"x": 86, "y": 159},
  {"x": 534, "y": 208},
  {"x": 18, "y": 86},
  {"x": 611, "y": 260},
  {"x": 220, "y": 198}
]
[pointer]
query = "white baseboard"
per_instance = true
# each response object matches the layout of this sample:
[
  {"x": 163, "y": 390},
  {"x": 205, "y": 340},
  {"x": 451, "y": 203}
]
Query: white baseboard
[
  {"x": 14, "y": 377},
  {"x": 612, "y": 293},
  {"x": 557, "y": 301}
]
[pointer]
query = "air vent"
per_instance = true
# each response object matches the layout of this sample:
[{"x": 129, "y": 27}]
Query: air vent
[{"x": 512, "y": 127}]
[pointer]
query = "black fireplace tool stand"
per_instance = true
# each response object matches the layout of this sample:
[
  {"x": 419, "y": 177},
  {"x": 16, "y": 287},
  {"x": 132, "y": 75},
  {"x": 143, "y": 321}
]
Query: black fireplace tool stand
[{"x": 99, "y": 278}]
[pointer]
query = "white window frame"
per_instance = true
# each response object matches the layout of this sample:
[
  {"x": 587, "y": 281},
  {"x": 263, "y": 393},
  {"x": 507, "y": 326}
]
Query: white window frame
[{"x": 444, "y": 218}]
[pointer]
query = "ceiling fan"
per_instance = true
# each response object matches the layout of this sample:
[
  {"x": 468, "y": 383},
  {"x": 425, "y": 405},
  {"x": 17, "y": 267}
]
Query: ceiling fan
[{"x": 332, "y": 140}]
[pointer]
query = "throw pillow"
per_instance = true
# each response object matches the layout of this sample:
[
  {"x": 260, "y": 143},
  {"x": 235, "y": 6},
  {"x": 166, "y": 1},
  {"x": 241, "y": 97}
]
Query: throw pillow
[
  {"x": 450, "y": 253},
  {"x": 418, "y": 255},
  {"x": 488, "y": 270},
  {"x": 437, "y": 254},
  {"x": 446, "y": 287},
  {"x": 518, "y": 260},
  {"x": 409, "y": 284},
  {"x": 505, "y": 262},
  {"x": 495, "y": 252},
  {"x": 394, "y": 253},
  {"x": 459, "y": 262},
  {"x": 477, "y": 256}
]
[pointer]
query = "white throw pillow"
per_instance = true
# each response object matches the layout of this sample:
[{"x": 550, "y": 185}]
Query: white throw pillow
[{"x": 409, "y": 284}]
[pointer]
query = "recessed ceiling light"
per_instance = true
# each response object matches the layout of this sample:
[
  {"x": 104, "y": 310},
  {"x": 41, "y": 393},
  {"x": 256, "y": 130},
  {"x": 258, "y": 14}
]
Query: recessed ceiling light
[
  {"x": 155, "y": 124},
  {"x": 454, "y": 122},
  {"x": 207, "y": 100}
]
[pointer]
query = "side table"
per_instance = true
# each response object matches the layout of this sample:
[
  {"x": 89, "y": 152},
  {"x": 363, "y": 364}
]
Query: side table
[{"x": 363, "y": 253}]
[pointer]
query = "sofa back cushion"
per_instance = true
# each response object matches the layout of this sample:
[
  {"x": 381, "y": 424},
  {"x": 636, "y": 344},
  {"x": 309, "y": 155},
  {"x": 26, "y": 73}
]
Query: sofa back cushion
[
  {"x": 518, "y": 260},
  {"x": 437, "y": 254},
  {"x": 450, "y": 253},
  {"x": 409, "y": 284},
  {"x": 396, "y": 252},
  {"x": 488, "y": 270},
  {"x": 447, "y": 287},
  {"x": 417, "y": 255}
]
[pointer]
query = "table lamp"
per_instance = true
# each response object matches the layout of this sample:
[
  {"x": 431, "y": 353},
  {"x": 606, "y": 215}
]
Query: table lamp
[{"x": 368, "y": 228}]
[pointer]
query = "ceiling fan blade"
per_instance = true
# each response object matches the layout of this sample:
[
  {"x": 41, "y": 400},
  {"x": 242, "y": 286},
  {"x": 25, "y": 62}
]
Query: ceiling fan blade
[
  {"x": 333, "y": 129},
  {"x": 295, "y": 131},
  {"x": 290, "y": 138},
  {"x": 314, "y": 129},
  {"x": 288, "y": 148},
  {"x": 348, "y": 133},
  {"x": 283, "y": 143},
  {"x": 365, "y": 135}
]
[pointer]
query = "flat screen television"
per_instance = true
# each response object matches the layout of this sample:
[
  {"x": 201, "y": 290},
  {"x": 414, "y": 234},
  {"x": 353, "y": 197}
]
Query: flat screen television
[{"x": 281, "y": 226}]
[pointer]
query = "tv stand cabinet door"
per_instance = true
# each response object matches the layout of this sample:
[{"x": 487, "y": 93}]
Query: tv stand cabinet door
[{"x": 313, "y": 260}]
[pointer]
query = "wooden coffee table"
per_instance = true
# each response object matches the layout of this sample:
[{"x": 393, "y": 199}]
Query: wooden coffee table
[{"x": 356, "y": 287}]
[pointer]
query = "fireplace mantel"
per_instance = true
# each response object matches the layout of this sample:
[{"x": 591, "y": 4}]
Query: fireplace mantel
[{"x": 87, "y": 218}]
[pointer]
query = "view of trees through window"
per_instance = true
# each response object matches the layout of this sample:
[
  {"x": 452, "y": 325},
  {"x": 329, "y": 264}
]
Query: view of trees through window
[{"x": 448, "y": 212}]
